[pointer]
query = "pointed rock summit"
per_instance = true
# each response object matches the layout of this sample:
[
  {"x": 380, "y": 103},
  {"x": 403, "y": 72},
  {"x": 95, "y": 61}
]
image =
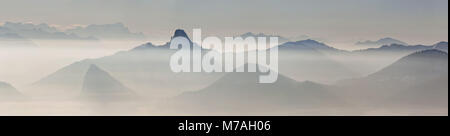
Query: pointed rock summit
[
  {"x": 98, "y": 81},
  {"x": 180, "y": 33}
]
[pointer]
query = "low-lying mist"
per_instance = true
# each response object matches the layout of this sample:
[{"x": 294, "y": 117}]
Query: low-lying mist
[{"x": 72, "y": 80}]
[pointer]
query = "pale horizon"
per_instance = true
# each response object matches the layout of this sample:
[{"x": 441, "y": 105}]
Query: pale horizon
[{"x": 336, "y": 23}]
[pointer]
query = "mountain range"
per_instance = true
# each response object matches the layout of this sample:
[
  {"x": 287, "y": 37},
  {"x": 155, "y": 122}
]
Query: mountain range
[
  {"x": 151, "y": 73},
  {"x": 144, "y": 69},
  {"x": 89, "y": 33},
  {"x": 166, "y": 46},
  {"x": 300, "y": 60},
  {"x": 382, "y": 41},
  {"x": 416, "y": 81},
  {"x": 443, "y": 46},
  {"x": 241, "y": 93},
  {"x": 402, "y": 49},
  {"x": 303, "y": 66},
  {"x": 41, "y": 31},
  {"x": 309, "y": 45},
  {"x": 106, "y": 31},
  {"x": 14, "y": 40},
  {"x": 281, "y": 39},
  {"x": 420, "y": 75}
]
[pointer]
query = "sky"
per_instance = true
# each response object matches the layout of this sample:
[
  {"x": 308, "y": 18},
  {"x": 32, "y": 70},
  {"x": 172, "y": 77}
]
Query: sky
[{"x": 333, "y": 21}]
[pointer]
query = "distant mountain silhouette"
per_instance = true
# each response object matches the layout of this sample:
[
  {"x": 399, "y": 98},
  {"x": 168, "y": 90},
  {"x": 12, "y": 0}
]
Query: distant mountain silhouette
[
  {"x": 419, "y": 65},
  {"x": 99, "y": 81},
  {"x": 241, "y": 92},
  {"x": 303, "y": 60},
  {"x": 101, "y": 84},
  {"x": 424, "y": 76},
  {"x": 443, "y": 46},
  {"x": 177, "y": 33},
  {"x": 394, "y": 50},
  {"x": 397, "y": 47},
  {"x": 65, "y": 81},
  {"x": 309, "y": 45},
  {"x": 380, "y": 42},
  {"x": 143, "y": 69},
  {"x": 149, "y": 71},
  {"x": 180, "y": 33},
  {"x": 29, "y": 26},
  {"x": 8, "y": 92},
  {"x": 281, "y": 39},
  {"x": 41, "y": 31},
  {"x": 150, "y": 45},
  {"x": 407, "y": 75},
  {"x": 380, "y": 57},
  {"x": 14, "y": 40},
  {"x": 106, "y": 31},
  {"x": 7, "y": 89}
]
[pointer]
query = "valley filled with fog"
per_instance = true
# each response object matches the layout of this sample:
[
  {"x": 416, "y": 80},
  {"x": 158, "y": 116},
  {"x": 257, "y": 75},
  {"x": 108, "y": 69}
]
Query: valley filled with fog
[{"x": 82, "y": 75}]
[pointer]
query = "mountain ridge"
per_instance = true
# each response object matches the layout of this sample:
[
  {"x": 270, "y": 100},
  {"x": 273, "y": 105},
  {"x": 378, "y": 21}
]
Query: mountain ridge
[
  {"x": 106, "y": 31},
  {"x": 241, "y": 90},
  {"x": 400, "y": 77},
  {"x": 101, "y": 85},
  {"x": 382, "y": 41},
  {"x": 8, "y": 92},
  {"x": 40, "y": 31}
]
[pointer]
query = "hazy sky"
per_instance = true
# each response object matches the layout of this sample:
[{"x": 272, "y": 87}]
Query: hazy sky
[{"x": 413, "y": 21}]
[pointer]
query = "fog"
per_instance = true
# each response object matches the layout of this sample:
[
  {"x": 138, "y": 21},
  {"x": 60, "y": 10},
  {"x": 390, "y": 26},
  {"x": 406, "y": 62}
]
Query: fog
[{"x": 78, "y": 79}]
